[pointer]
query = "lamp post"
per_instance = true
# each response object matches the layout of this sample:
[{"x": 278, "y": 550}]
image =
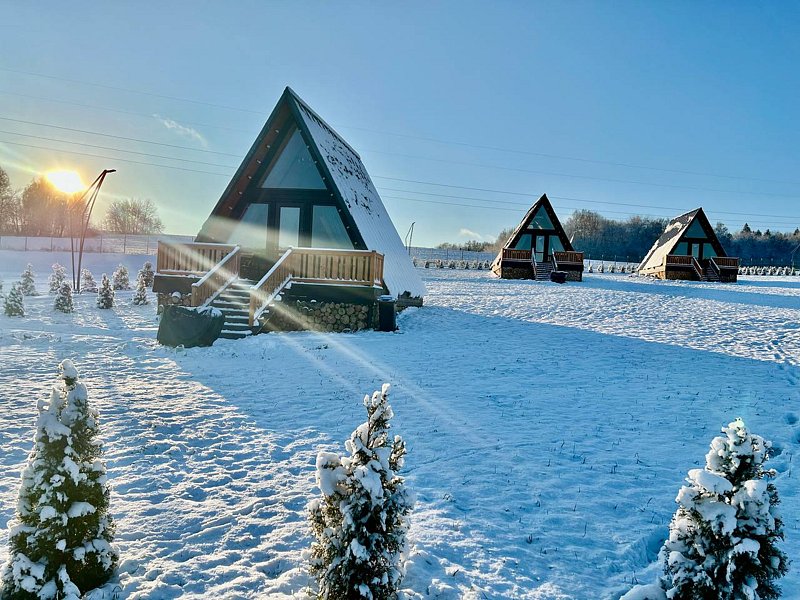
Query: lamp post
[{"x": 69, "y": 182}]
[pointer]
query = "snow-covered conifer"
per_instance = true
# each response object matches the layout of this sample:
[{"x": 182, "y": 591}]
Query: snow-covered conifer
[
  {"x": 57, "y": 277},
  {"x": 140, "y": 297},
  {"x": 60, "y": 541},
  {"x": 360, "y": 522},
  {"x": 147, "y": 272},
  {"x": 63, "y": 301},
  {"x": 14, "y": 306},
  {"x": 120, "y": 278},
  {"x": 88, "y": 284},
  {"x": 27, "y": 286},
  {"x": 722, "y": 539},
  {"x": 105, "y": 294}
]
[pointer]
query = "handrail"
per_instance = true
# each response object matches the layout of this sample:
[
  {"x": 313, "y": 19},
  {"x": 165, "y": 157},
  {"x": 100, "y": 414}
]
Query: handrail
[
  {"x": 189, "y": 258},
  {"x": 315, "y": 265},
  {"x": 568, "y": 257},
  {"x": 514, "y": 254},
  {"x": 218, "y": 278},
  {"x": 697, "y": 268},
  {"x": 725, "y": 262}
]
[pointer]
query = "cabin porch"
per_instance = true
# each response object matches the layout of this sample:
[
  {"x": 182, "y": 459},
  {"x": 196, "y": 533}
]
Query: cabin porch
[
  {"x": 305, "y": 288},
  {"x": 724, "y": 269},
  {"x": 522, "y": 264}
]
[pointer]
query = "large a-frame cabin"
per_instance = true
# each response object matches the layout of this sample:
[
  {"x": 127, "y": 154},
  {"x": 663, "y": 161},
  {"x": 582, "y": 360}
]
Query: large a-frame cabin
[
  {"x": 299, "y": 220},
  {"x": 538, "y": 247},
  {"x": 690, "y": 249}
]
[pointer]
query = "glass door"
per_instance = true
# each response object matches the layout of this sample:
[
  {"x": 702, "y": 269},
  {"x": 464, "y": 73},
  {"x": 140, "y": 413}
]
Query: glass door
[
  {"x": 288, "y": 227},
  {"x": 540, "y": 248}
]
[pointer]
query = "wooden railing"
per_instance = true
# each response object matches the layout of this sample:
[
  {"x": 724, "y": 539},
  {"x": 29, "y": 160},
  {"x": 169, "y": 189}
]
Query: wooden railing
[
  {"x": 698, "y": 268},
  {"x": 725, "y": 262},
  {"x": 569, "y": 257},
  {"x": 680, "y": 261},
  {"x": 189, "y": 258},
  {"x": 312, "y": 265},
  {"x": 217, "y": 279},
  {"x": 514, "y": 254}
]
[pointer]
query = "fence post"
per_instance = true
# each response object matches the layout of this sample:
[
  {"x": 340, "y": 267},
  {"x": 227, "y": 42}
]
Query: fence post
[{"x": 125, "y": 243}]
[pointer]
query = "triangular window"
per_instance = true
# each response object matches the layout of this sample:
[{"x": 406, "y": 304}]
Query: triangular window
[
  {"x": 541, "y": 220},
  {"x": 695, "y": 230},
  {"x": 294, "y": 168}
]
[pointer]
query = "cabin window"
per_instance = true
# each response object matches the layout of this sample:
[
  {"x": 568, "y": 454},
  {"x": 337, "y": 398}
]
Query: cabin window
[
  {"x": 251, "y": 230},
  {"x": 555, "y": 244},
  {"x": 289, "y": 227},
  {"x": 708, "y": 251},
  {"x": 695, "y": 230},
  {"x": 327, "y": 229},
  {"x": 682, "y": 249},
  {"x": 524, "y": 242},
  {"x": 541, "y": 220},
  {"x": 294, "y": 168}
]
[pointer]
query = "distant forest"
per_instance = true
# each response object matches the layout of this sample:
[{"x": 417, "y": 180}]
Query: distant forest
[{"x": 607, "y": 239}]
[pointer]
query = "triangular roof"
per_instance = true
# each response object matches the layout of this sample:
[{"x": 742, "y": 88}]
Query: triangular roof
[
  {"x": 543, "y": 203},
  {"x": 347, "y": 180},
  {"x": 673, "y": 233}
]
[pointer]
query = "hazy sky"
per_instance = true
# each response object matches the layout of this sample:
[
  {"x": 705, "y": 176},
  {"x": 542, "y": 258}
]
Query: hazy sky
[{"x": 646, "y": 108}]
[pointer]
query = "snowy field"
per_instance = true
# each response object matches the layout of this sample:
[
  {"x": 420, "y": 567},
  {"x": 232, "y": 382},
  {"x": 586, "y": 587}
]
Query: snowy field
[{"x": 549, "y": 427}]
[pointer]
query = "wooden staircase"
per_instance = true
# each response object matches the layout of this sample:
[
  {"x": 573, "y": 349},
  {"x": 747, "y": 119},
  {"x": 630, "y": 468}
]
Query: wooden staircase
[
  {"x": 234, "y": 303},
  {"x": 247, "y": 304},
  {"x": 543, "y": 270},
  {"x": 710, "y": 274}
]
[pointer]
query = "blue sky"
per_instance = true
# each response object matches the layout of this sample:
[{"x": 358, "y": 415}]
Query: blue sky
[{"x": 621, "y": 107}]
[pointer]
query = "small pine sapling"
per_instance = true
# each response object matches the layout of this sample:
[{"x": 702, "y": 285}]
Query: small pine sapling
[
  {"x": 60, "y": 542},
  {"x": 140, "y": 297},
  {"x": 57, "y": 277},
  {"x": 120, "y": 278},
  {"x": 63, "y": 301},
  {"x": 27, "y": 285},
  {"x": 105, "y": 294},
  {"x": 360, "y": 522},
  {"x": 722, "y": 539},
  {"x": 147, "y": 272},
  {"x": 88, "y": 284},
  {"x": 14, "y": 306}
]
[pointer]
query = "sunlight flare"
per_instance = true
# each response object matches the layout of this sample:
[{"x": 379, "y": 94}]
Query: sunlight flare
[{"x": 68, "y": 182}]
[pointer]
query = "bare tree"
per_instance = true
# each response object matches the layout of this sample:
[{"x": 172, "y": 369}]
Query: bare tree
[
  {"x": 10, "y": 210},
  {"x": 133, "y": 216}
]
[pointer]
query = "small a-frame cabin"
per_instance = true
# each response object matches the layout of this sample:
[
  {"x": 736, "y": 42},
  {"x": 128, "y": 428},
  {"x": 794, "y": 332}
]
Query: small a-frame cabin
[
  {"x": 690, "y": 249},
  {"x": 538, "y": 247},
  {"x": 299, "y": 221}
]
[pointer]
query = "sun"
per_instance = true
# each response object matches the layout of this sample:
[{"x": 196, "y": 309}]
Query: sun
[{"x": 68, "y": 182}]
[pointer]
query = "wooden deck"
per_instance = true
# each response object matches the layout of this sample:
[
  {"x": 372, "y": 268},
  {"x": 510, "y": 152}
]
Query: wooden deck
[{"x": 218, "y": 267}]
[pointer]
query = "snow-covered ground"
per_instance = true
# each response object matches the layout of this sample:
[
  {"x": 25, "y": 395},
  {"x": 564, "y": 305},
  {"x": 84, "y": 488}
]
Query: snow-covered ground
[{"x": 549, "y": 427}]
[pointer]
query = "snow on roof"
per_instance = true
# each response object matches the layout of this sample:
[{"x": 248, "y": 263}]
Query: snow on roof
[
  {"x": 668, "y": 239},
  {"x": 365, "y": 205}
]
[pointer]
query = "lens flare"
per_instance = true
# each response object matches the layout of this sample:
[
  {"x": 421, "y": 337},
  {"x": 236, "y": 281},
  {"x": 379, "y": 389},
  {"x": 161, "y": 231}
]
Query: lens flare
[{"x": 68, "y": 182}]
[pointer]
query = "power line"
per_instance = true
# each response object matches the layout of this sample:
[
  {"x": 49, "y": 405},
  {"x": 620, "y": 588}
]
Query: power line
[
  {"x": 116, "y": 158},
  {"x": 130, "y": 91},
  {"x": 120, "y": 111},
  {"x": 573, "y": 199},
  {"x": 118, "y": 137},
  {"x": 49, "y": 139},
  {"x": 404, "y": 135},
  {"x": 433, "y": 159},
  {"x": 486, "y": 207},
  {"x": 590, "y": 177}
]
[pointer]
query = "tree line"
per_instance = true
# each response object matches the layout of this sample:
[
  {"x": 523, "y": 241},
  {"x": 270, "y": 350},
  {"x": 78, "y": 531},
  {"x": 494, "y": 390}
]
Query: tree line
[
  {"x": 40, "y": 210},
  {"x": 600, "y": 238}
]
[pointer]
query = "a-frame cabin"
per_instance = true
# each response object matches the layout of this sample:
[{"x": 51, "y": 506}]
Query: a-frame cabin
[
  {"x": 301, "y": 217},
  {"x": 690, "y": 249},
  {"x": 538, "y": 247}
]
